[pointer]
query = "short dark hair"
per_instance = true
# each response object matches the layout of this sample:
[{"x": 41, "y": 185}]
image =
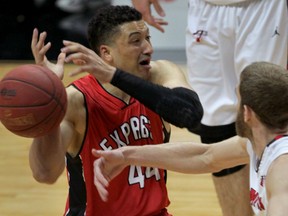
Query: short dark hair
[
  {"x": 264, "y": 88},
  {"x": 105, "y": 24}
]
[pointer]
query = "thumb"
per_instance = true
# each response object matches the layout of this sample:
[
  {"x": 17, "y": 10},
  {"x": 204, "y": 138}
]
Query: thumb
[
  {"x": 98, "y": 153},
  {"x": 61, "y": 58}
]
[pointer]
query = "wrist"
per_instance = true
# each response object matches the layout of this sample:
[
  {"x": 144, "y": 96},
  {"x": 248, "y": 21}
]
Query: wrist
[
  {"x": 128, "y": 154},
  {"x": 111, "y": 73}
]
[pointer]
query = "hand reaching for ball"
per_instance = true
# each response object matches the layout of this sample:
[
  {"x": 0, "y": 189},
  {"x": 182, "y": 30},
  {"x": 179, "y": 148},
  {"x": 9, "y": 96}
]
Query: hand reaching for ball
[{"x": 39, "y": 50}]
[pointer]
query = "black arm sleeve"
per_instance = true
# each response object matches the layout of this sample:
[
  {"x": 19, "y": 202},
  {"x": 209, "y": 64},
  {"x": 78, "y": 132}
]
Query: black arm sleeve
[{"x": 178, "y": 106}]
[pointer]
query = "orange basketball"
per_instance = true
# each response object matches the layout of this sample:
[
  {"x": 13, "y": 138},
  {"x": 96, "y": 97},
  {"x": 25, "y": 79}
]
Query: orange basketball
[{"x": 33, "y": 100}]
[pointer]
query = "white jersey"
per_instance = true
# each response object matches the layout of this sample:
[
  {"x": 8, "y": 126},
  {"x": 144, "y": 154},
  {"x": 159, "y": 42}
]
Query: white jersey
[
  {"x": 224, "y": 2},
  {"x": 258, "y": 172}
]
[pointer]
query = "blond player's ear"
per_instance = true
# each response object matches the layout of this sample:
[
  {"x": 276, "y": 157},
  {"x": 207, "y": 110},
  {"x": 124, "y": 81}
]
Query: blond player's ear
[{"x": 247, "y": 113}]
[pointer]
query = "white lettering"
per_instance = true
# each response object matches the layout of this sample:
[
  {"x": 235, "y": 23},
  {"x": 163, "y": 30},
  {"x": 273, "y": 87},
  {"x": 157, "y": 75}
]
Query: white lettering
[
  {"x": 126, "y": 131},
  {"x": 117, "y": 139},
  {"x": 103, "y": 145},
  {"x": 134, "y": 122}
]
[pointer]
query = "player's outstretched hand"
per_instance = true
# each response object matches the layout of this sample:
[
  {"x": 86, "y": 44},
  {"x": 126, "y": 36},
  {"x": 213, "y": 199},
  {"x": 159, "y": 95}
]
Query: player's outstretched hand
[
  {"x": 87, "y": 61},
  {"x": 39, "y": 50},
  {"x": 144, "y": 7},
  {"x": 108, "y": 165}
]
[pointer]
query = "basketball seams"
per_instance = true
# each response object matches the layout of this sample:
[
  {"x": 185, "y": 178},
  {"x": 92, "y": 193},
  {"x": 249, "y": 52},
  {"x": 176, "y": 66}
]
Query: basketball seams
[
  {"x": 43, "y": 121},
  {"x": 37, "y": 102},
  {"x": 52, "y": 95},
  {"x": 57, "y": 99},
  {"x": 32, "y": 84}
]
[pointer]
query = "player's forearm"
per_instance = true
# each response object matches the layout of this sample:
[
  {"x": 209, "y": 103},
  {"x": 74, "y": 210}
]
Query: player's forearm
[
  {"x": 179, "y": 157},
  {"x": 47, "y": 157},
  {"x": 178, "y": 106}
]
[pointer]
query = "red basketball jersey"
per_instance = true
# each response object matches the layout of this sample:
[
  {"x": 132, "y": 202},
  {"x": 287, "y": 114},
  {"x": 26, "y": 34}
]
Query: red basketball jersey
[{"x": 111, "y": 123}]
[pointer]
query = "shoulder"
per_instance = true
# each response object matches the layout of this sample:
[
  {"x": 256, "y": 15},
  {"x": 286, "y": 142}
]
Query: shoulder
[
  {"x": 163, "y": 64},
  {"x": 76, "y": 111},
  {"x": 74, "y": 95},
  {"x": 169, "y": 74},
  {"x": 275, "y": 174}
]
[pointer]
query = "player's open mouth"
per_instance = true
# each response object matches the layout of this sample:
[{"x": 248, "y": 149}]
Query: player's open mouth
[{"x": 145, "y": 62}]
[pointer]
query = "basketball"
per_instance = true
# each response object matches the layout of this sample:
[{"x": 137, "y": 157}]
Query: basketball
[{"x": 33, "y": 100}]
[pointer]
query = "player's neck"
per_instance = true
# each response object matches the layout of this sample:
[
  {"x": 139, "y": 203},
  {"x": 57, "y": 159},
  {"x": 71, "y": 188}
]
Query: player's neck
[
  {"x": 116, "y": 92},
  {"x": 262, "y": 137}
]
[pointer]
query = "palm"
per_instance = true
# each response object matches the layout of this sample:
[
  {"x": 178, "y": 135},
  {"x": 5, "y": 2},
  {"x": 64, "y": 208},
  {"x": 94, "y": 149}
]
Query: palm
[
  {"x": 39, "y": 50},
  {"x": 57, "y": 68}
]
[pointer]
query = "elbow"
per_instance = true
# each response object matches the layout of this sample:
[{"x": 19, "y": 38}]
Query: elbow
[
  {"x": 194, "y": 120},
  {"x": 194, "y": 116},
  {"x": 45, "y": 177}
]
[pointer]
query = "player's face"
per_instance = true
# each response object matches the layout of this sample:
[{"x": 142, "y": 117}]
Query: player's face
[{"x": 132, "y": 49}]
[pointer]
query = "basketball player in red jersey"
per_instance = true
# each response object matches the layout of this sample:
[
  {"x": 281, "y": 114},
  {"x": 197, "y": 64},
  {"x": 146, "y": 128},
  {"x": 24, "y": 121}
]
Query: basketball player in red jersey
[
  {"x": 125, "y": 100},
  {"x": 262, "y": 123}
]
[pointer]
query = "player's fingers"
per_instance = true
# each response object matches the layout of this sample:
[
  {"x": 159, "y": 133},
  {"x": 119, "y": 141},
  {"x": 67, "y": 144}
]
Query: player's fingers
[
  {"x": 155, "y": 22},
  {"x": 78, "y": 62},
  {"x": 34, "y": 38},
  {"x": 76, "y": 57},
  {"x": 160, "y": 21},
  {"x": 101, "y": 190},
  {"x": 157, "y": 26},
  {"x": 41, "y": 40},
  {"x": 72, "y": 47},
  {"x": 99, "y": 153},
  {"x": 44, "y": 49},
  {"x": 61, "y": 58},
  {"x": 98, "y": 172},
  {"x": 158, "y": 7},
  {"x": 100, "y": 181}
]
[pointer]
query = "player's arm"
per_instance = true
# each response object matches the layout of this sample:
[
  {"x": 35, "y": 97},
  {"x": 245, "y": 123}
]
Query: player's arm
[
  {"x": 190, "y": 157},
  {"x": 167, "y": 93},
  {"x": 47, "y": 153},
  {"x": 179, "y": 106},
  {"x": 168, "y": 74},
  {"x": 277, "y": 186},
  {"x": 180, "y": 157}
]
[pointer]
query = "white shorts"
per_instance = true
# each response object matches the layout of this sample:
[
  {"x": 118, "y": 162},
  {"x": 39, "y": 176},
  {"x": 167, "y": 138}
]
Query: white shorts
[{"x": 222, "y": 40}]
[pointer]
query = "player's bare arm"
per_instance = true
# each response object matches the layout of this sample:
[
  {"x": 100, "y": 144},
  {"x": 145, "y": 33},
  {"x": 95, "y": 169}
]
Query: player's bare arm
[
  {"x": 228, "y": 153},
  {"x": 277, "y": 187},
  {"x": 47, "y": 153},
  {"x": 168, "y": 74},
  {"x": 188, "y": 157},
  {"x": 75, "y": 121},
  {"x": 184, "y": 157}
]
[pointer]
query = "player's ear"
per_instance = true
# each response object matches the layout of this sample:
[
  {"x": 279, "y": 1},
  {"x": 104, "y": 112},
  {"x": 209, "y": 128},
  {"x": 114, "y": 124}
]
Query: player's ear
[
  {"x": 247, "y": 113},
  {"x": 105, "y": 53}
]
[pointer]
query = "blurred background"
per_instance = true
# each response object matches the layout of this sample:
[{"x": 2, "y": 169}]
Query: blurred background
[{"x": 68, "y": 19}]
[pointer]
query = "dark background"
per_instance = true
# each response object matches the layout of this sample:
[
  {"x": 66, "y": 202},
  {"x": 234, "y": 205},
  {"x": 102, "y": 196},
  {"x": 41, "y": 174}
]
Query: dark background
[{"x": 18, "y": 18}]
